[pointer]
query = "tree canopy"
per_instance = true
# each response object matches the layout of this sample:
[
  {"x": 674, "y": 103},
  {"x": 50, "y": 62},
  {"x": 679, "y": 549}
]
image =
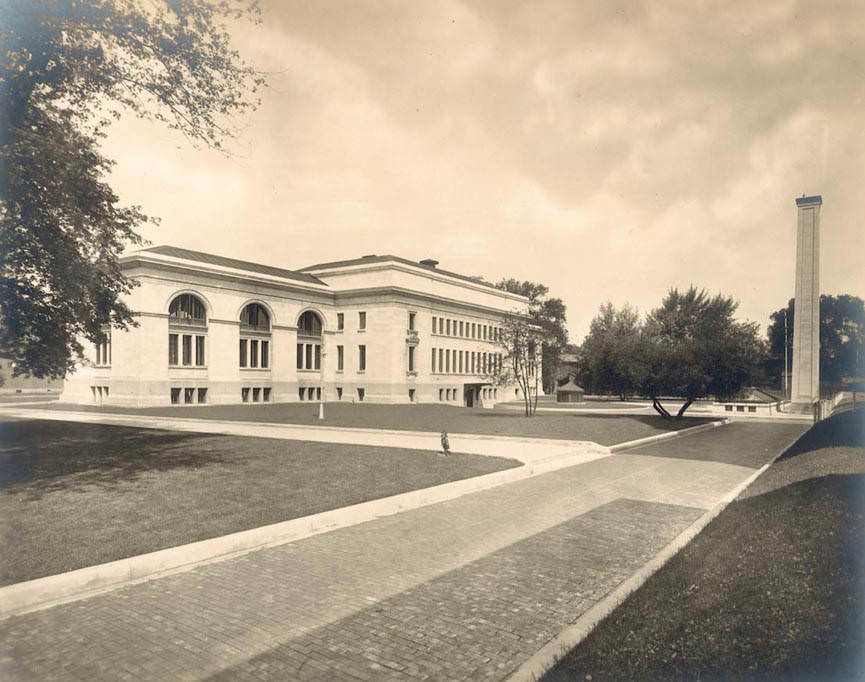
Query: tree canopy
[
  {"x": 610, "y": 356},
  {"x": 520, "y": 340},
  {"x": 550, "y": 315},
  {"x": 67, "y": 70},
  {"x": 842, "y": 338}
]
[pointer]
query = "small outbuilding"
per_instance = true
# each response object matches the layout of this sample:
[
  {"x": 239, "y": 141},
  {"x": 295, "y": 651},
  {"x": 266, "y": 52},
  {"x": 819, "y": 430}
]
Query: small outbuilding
[{"x": 570, "y": 392}]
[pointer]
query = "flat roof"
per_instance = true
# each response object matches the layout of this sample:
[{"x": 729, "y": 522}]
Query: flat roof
[
  {"x": 804, "y": 201},
  {"x": 211, "y": 259},
  {"x": 366, "y": 260}
]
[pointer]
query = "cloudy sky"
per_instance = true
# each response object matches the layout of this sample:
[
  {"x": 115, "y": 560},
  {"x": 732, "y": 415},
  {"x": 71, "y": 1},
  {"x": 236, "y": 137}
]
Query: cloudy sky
[{"x": 608, "y": 151}]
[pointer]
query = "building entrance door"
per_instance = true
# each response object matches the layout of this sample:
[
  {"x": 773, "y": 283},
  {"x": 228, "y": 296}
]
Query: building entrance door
[{"x": 470, "y": 394}]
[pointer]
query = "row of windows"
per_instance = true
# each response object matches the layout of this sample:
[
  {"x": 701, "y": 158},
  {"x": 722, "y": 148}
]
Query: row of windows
[
  {"x": 447, "y": 361},
  {"x": 188, "y": 396},
  {"x": 180, "y": 350},
  {"x": 255, "y": 394},
  {"x": 361, "y": 321},
  {"x": 466, "y": 330},
  {"x": 103, "y": 353},
  {"x": 361, "y": 358},
  {"x": 450, "y": 394},
  {"x": 255, "y": 353},
  {"x": 98, "y": 393}
]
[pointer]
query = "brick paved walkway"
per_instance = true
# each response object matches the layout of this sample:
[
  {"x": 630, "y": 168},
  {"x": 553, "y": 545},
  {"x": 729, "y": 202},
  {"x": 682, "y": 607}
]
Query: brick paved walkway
[{"x": 463, "y": 589}]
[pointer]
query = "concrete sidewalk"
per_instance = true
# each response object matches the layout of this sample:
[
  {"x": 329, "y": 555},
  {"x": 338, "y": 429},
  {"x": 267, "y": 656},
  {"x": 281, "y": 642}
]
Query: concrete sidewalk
[{"x": 464, "y": 589}]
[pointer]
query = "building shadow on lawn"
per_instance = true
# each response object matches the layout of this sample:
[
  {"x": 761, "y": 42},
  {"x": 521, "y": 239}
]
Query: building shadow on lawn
[
  {"x": 38, "y": 457},
  {"x": 846, "y": 429}
]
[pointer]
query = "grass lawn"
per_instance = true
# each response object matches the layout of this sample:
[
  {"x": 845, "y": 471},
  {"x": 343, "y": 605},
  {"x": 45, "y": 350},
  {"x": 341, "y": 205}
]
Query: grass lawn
[
  {"x": 600, "y": 428},
  {"x": 75, "y": 495},
  {"x": 773, "y": 588}
]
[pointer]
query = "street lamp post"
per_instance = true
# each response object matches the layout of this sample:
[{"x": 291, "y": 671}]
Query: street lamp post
[{"x": 321, "y": 381}]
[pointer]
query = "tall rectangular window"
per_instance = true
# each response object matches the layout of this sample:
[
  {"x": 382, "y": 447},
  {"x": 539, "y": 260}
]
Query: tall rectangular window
[
  {"x": 473, "y": 330},
  {"x": 253, "y": 353},
  {"x": 300, "y": 356},
  {"x": 317, "y": 356},
  {"x": 187, "y": 350},
  {"x": 361, "y": 320},
  {"x": 308, "y": 363},
  {"x": 361, "y": 358},
  {"x": 435, "y": 325},
  {"x": 265, "y": 354},
  {"x": 411, "y": 358},
  {"x": 199, "y": 351},
  {"x": 411, "y": 320},
  {"x": 461, "y": 362},
  {"x": 441, "y": 360},
  {"x": 447, "y": 360},
  {"x": 340, "y": 358},
  {"x": 448, "y": 327},
  {"x": 243, "y": 352},
  {"x": 461, "y": 327},
  {"x": 172, "y": 349},
  {"x": 433, "y": 361},
  {"x": 340, "y": 321}
]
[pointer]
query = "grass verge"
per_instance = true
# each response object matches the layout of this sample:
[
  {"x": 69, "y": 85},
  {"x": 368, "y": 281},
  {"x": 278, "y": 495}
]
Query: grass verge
[
  {"x": 75, "y": 495},
  {"x": 773, "y": 588},
  {"x": 606, "y": 429}
]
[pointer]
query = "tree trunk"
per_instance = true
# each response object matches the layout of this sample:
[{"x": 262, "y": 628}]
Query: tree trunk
[
  {"x": 660, "y": 409},
  {"x": 684, "y": 407}
]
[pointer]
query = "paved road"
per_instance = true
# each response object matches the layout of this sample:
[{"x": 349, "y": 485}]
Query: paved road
[{"x": 465, "y": 589}]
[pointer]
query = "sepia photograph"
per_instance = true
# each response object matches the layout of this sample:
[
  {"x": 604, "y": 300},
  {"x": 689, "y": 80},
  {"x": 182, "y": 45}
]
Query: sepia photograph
[{"x": 436, "y": 340}]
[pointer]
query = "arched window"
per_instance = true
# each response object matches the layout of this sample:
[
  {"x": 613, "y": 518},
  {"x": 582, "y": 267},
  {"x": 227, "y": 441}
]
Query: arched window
[
  {"x": 187, "y": 331},
  {"x": 309, "y": 324},
  {"x": 309, "y": 328},
  {"x": 254, "y": 337}
]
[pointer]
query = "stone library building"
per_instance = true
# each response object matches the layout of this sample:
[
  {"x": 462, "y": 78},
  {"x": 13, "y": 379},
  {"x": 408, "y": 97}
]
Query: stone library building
[{"x": 215, "y": 330}]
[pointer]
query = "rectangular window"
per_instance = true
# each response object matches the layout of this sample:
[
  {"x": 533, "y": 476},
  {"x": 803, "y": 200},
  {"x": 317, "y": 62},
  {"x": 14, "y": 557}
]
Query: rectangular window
[
  {"x": 361, "y": 320},
  {"x": 433, "y": 363},
  {"x": 441, "y": 325},
  {"x": 473, "y": 330},
  {"x": 317, "y": 356},
  {"x": 340, "y": 358},
  {"x": 301, "y": 393},
  {"x": 361, "y": 358},
  {"x": 411, "y": 395},
  {"x": 441, "y": 394},
  {"x": 253, "y": 353},
  {"x": 360, "y": 394},
  {"x": 461, "y": 327},
  {"x": 411, "y": 358},
  {"x": 300, "y": 356},
  {"x": 448, "y": 327},
  {"x": 441, "y": 361},
  {"x": 202, "y": 395},
  {"x": 188, "y": 395},
  {"x": 461, "y": 362},
  {"x": 310, "y": 393},
  {"x": 266, "y": 394},
  {"x": 318, "y": 393},
  {"x": 265, "y": 354},
  {"x": 172, "y": 349},
  {"x": 308, "y": 364},
  {"x": 244, "y": 394},
  {"x": 243, "y": 352},
  {"x": 256, "y": 394},
  {"x": 411, "y": 321},
  {"x": 175, "y": 396},
  {"x": 434, "y": 325},
  {"x": 199, "y": 351},
  {"x": 340, "y": 321},
  {"x": 187, "y": 350},
  {"x": 98, "y": 354},
  {"x": 447, "y": 360},
  {"x": 339, "y": 392}
]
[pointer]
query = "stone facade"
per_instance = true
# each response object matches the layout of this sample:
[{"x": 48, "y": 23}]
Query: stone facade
[{"x": 389, "y": 316}]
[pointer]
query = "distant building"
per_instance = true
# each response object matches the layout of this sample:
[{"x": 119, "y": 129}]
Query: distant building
[
  {"x": 375, "y": 329},
  {"x": 570, "y": 392},
  {"x": 24, "y": 383}
]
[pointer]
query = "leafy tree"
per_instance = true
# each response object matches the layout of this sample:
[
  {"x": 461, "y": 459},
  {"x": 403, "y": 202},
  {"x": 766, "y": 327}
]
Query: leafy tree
[
  {"x": 610, "y": 356},
  {"x": 842, "y": 338},
  {"x": 693, "y": 347},
  {"x": 550, "y": 315},
  {"x": 67, "y": 69},
  {"x": 520, "y": 340}
]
